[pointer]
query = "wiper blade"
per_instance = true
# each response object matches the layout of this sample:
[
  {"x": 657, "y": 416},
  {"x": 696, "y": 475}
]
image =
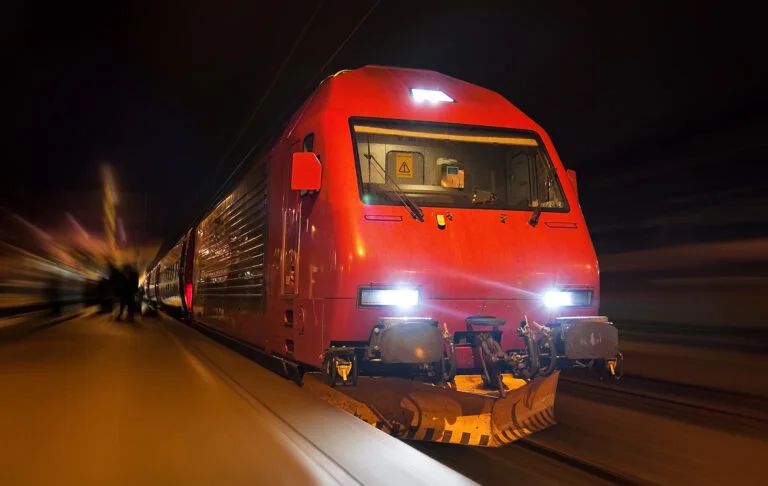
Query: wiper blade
[
  {"x": 535, "y": 216},
  {"x": 413, "y": 209}
]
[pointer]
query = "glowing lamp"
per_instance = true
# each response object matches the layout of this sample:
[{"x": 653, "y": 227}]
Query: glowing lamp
[
  {"x": 430, "y": 95},
  {"x": 392, "y": 297},
  {"x": 568, "y": 298}
]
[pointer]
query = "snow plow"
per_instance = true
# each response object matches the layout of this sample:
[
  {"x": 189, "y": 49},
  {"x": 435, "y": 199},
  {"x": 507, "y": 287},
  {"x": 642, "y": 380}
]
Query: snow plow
[{"x": 488, "y": 409}]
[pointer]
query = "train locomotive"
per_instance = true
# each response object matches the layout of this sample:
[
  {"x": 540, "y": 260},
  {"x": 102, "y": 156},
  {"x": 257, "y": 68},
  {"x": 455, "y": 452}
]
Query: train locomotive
[{"x": 410, "y": 238}]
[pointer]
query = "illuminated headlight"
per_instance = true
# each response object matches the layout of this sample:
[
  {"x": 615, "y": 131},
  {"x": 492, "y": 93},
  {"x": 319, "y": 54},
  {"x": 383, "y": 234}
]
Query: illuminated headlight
[
  {"x": 567, "y": 298},
  {"x": 396, "y": 297},
  {"x": 431, "y": 95}
]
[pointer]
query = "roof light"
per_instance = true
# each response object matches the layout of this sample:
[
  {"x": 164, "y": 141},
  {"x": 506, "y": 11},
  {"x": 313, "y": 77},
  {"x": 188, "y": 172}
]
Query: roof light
[{"x": 431, "y": 95}]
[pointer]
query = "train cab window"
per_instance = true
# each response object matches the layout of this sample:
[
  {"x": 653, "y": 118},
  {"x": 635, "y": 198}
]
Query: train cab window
[
  {"x": 309, "y": 143},
  {"x": 442, "y": 166}
]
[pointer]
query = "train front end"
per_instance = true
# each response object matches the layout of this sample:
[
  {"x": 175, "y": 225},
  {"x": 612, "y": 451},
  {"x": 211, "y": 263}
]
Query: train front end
[{"x": 465, "y": 277}]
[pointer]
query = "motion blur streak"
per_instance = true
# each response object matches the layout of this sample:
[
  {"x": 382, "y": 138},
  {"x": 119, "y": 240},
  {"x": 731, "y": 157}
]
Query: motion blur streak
[{"x": 39, "y": 278}]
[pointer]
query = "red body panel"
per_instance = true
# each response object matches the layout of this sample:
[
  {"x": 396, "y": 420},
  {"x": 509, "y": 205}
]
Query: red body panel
[{"x": 320, "y": 248}]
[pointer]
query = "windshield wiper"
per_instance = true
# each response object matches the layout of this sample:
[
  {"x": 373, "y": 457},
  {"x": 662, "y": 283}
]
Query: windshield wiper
[
  {"x": 413, "y": 209},
  {"x": 535, "y": 216}
]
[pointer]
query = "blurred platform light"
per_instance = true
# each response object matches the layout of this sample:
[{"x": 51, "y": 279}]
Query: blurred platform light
[
  {"x": 110, "y": 214},
  {"x": 37, "y": 231},
  {"x": 110, "y": 188},
  {"x": 80, "y": 230},
  {"x": 121, "y": 231}
]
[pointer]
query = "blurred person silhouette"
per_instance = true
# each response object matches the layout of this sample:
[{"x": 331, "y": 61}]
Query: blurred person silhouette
[
  {"x": 87, "y": 293},
  {"x": 103, "y": 294},
  {"x": 119, "y": 283},
  {"x": 131, "y": 290},
  {"x": 140, "y": 299},
  {"x": 52, "y": 295}
]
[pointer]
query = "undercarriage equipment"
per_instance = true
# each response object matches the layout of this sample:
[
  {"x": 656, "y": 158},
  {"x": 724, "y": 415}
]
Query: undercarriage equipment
[{"x": 404, "y": 380}]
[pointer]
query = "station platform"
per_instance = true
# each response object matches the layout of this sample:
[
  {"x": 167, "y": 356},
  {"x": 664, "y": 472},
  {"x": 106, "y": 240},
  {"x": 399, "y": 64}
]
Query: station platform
[{"x": 96, "y": 401}]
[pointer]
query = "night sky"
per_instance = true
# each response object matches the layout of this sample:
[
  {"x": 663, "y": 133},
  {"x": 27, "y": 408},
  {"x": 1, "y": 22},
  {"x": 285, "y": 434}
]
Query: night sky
[{"x": 661, "y": 108}]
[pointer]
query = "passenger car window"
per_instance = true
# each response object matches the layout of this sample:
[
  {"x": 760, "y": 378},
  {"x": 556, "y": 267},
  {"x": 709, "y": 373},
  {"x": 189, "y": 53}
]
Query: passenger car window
[{"x": 309, "y": 143}]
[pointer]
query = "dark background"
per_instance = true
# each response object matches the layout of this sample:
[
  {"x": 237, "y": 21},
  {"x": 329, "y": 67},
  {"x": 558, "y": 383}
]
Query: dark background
[{"x": 660, "y": 106}]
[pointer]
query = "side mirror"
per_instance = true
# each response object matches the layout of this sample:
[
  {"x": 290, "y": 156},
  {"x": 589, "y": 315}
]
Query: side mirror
[
  {"x": 306, "y": 172},
  {"x": 572, "y": 177}
]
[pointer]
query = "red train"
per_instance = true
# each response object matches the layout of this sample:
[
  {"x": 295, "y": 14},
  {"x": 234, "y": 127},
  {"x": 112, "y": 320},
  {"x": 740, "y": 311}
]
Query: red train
[{"x": 406, "y": 224}]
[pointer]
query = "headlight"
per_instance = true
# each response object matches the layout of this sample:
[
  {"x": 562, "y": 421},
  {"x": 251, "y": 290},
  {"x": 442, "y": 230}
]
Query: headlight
[
  {"x": 394, "y": 297},
  {"x": 567, "y": 298}
]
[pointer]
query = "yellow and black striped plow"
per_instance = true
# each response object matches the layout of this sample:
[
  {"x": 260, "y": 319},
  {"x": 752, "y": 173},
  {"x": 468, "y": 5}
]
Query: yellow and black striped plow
[{"x": 463, "y": 413}]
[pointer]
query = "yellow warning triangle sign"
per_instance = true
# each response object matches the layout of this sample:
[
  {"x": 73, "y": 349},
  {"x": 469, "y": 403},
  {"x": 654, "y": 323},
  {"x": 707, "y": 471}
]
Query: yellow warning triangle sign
[{"x": 404, "y": 165}]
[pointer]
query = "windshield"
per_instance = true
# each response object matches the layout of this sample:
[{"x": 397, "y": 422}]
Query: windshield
[{"x": 443, "y": 166}]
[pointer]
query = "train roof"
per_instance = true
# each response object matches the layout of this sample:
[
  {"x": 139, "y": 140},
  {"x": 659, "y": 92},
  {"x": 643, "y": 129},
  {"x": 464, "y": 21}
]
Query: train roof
[{"x": 385, "y": 92}]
